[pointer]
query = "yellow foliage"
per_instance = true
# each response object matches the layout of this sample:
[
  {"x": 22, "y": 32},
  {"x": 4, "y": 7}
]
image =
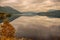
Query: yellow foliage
[{"x": 7, "y": 29}]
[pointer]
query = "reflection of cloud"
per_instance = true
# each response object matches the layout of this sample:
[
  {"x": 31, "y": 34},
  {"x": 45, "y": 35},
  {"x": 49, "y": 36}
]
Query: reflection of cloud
[{"x": 37, "y": 26}]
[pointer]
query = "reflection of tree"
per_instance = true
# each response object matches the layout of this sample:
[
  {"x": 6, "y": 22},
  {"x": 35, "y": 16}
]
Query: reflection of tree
[{"x": 7, "y": 28}]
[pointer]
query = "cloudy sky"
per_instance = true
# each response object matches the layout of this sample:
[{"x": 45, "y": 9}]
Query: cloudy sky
[{"x": 32, "y": 5}]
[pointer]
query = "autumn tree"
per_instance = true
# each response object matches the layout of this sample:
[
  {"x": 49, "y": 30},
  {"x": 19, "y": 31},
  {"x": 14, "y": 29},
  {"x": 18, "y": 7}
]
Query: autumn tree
[{"x": 7, "y": 29}]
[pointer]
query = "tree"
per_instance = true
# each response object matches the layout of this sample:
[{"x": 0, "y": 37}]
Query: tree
[{"x": 7, "y": 29}]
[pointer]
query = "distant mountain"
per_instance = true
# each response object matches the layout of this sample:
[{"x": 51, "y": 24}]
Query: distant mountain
[
  {"x": 9, "y": 10},
  {"x": 52, "y": 13}
]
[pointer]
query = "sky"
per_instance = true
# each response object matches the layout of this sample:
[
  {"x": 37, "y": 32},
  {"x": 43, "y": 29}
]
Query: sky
[{"x": 32, "y": 5}]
